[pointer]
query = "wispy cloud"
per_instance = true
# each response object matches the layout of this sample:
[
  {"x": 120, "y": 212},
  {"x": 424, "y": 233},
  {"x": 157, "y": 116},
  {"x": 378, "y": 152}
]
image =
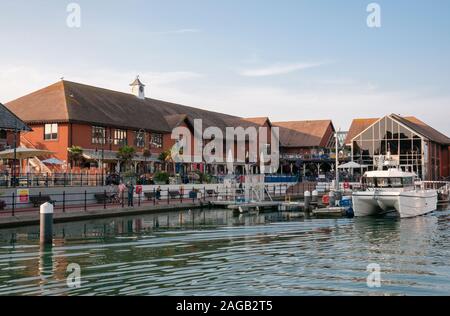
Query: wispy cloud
[
  {"x": 12, "y": 84},
  {"x": 279, "y": 69},
  {"x": 179, "y": 31}
]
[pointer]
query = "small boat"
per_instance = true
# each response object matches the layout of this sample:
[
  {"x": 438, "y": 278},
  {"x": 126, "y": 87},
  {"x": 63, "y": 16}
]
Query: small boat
[{"x": 384, "y": 191}]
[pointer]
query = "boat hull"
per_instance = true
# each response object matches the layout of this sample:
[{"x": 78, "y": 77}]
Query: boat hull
[{"x": 406, "y": 204}]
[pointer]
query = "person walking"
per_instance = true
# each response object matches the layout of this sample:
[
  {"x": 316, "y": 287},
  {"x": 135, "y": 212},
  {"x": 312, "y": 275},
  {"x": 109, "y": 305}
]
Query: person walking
[
  {"x": 122, "y": 188},
  {"x": 158, "y": 193},
  {"x": 130, "y": 188}
]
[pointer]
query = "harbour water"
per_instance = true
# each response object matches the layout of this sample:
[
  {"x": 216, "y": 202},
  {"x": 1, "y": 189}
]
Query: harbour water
[{"x": 212, "y": 253}]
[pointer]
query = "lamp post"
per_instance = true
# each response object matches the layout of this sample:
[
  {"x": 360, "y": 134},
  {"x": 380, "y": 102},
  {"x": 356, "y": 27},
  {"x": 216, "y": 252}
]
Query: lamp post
[
  {"x": 109, "y": 141},
  {"x": 337, "y": 161},
  {"x": 15, "y": 155}
]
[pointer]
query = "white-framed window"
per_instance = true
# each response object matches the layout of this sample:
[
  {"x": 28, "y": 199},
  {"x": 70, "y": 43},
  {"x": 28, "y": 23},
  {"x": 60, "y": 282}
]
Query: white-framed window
[
  {"x": 139, "y": 139},
  {"x": 51, "y": 131},
  {"x": 98, "y": 135},
  {"x": 120, "y": 137},
  {"x": 157, "y": 140}
]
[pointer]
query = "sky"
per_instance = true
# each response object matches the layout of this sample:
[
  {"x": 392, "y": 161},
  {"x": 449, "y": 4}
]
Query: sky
[{"x": 289, "y": 60}]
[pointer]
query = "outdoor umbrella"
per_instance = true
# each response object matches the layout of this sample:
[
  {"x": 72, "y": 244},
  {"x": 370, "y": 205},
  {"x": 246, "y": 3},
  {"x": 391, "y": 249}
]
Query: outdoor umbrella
[
  {"x": 53, "y": 161},
  {"x": 352, "y": 165},
  {"x": 23, "y": 153}
]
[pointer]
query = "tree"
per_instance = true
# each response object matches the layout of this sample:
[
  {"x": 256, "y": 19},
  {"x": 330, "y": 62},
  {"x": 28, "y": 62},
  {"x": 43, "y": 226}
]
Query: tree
[
  {"x": 126, "y": 155},
  {"x": 76, "y": 154},
  {"x": 166, "y": 157}
]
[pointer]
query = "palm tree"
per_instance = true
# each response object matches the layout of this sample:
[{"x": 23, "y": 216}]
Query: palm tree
[
  {"x": 75, "y": 154},
  {"x": 126, "y": 155},
  {"x": 166, "y": 158}
]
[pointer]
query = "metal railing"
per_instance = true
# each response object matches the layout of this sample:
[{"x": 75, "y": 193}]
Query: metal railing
[
  {"x": 32, "y": 180},
  {"x": 36, "y": 180},
  {"x": 84, "y": 201}
]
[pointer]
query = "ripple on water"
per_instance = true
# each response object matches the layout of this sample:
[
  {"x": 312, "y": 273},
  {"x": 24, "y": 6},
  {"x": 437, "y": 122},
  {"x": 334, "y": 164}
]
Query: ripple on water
[{"x": 312, "y": 257}]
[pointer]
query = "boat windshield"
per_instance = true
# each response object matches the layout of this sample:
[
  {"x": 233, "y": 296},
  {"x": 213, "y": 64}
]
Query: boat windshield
[{"x": 379, "y": 182}]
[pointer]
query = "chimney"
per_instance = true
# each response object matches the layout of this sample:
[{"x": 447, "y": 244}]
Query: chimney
[{"x": 138, "y": 88}]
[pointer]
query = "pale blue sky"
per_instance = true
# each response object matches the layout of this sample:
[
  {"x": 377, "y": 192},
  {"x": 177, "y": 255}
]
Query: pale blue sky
[{"x": 289, "y": 60}]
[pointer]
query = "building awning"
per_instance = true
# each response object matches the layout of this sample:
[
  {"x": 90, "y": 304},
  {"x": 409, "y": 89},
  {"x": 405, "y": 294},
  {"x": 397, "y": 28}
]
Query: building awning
[{"x": 111, "y": 156}]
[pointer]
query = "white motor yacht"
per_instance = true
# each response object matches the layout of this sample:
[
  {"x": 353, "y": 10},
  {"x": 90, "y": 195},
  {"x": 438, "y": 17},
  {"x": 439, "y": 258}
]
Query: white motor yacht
[{"x": 393, "y": 190}]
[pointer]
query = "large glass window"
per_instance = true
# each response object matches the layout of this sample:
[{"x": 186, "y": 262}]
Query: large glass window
[
  {"x": 388, "y": 135},
  {"x": 120, "y": 137},
  {"x": 51, "y": 131}
]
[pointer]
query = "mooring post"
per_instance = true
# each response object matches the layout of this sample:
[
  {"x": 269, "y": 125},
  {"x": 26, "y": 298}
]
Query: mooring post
[
  {"x": 307, "y": 200},
  {"x": 46, "y": 219},
  {"x": 332, "y": 199},
  {"x": 315, "y": 196}
]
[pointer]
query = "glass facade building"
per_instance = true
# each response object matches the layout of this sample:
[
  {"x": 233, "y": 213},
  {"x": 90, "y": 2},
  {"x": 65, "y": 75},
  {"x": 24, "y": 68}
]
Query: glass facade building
[{"x": 412, "y": 151}]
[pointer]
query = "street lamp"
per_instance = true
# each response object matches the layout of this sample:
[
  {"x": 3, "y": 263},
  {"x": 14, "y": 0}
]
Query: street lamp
[{"x": 15, "y": 155}]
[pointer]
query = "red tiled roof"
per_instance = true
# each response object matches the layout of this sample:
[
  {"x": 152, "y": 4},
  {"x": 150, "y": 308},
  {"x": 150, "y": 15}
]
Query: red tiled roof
[
  {"x": 358, "y": 125},
  {"x": 67, "y": 101},
  {"x": 304, "y": 133}
]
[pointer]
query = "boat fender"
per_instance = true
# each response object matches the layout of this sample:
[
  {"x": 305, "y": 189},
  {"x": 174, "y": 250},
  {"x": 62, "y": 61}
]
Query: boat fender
[{"x": 349, "y": 213}]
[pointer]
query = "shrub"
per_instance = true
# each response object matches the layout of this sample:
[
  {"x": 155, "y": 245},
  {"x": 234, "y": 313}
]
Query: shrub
[{"x": 161, "y": 177}]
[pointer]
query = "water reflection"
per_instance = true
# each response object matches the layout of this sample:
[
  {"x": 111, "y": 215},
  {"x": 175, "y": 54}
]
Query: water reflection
[{"x": 213, "y": 252}]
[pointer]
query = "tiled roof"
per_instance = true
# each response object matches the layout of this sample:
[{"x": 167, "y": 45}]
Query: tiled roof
[
  {"x": 359, "y": 125},
  {"x": 304, "y": 133},
  {"x": 423, "y": 129},
  {"x": 10, "y": 121},
  {"x": 258, "y": 120},
  {"x": 67, "y": 101}
]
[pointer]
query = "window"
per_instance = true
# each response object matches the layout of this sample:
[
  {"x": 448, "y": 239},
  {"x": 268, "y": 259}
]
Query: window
[
  {"x": 139, "y": 139},
  {"x": 2, "y": 134},
  {"x": 267, "y": 149},
  {"x": 98, "y": 135},
  {"x": 407, "y": 182},
  {"x": 395, "y": 182},
  {"x": 382, "y": 182},
  {"x": 51, "y": 131},
  {"x": 120, "y": 137},
  {"x": 157, "y": 140}
]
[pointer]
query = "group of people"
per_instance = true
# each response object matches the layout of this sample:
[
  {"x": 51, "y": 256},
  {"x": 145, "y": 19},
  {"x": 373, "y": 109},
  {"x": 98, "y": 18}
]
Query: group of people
[{"x": 117, "y": 192}]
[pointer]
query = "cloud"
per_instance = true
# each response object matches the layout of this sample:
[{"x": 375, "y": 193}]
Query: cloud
[
  {"x": 278, "y": 69},
  {"x": 179, "y": 31},
  {"x": 16, "y": 81},
  {"x": 327, "y": 100}
]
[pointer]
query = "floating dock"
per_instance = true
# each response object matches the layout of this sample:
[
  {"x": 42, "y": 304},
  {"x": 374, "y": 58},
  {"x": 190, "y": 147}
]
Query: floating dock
[
  {"x": 291, "y": 206},
  {"x": 247, "y": 207},
  {"x": 329, "y": 211}
]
